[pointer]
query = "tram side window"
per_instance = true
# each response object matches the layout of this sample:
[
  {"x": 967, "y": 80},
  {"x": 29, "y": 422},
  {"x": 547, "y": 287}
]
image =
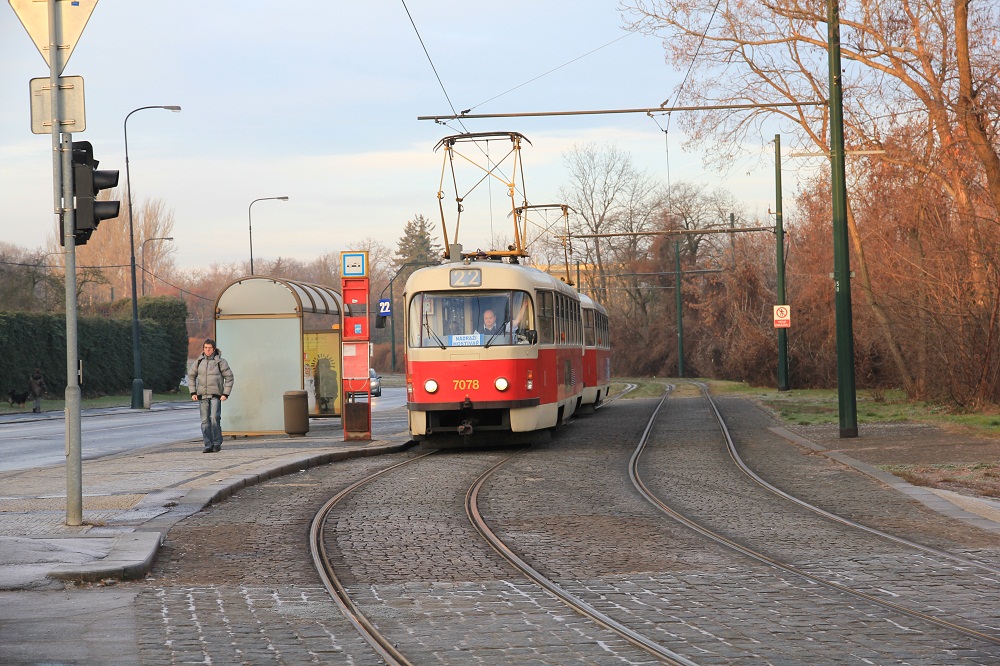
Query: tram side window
[
  {"x": 546, "y": 317},
  {"x": 575, "y": 312},
  {"x": 560, "y": 319},
  {"x": 600, "y": 329},
  {"x": 589, "y": 339}
]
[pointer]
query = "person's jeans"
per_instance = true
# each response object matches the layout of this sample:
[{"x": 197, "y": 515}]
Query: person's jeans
[{"x": 211, "y": 421}]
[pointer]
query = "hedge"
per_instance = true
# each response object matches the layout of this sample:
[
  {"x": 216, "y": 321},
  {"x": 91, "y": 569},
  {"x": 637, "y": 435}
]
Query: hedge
[{"x": 32, "y": 341}]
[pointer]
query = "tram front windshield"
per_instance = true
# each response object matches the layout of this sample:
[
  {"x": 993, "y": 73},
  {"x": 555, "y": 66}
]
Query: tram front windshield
[{"x": 478, "y": 319}]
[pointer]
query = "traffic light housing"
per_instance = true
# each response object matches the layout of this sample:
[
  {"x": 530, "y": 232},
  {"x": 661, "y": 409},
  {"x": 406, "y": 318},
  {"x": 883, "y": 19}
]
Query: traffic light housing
[{"x": 87, "y": 183}]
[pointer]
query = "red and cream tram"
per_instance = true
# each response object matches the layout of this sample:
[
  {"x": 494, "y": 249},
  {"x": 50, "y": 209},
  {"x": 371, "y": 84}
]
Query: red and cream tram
[
  {"x": 523, "y": 375},
  {"x": 596, "y": 352}
]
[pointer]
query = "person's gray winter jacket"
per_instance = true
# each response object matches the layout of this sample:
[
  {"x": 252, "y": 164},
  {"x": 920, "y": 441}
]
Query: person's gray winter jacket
[{"x": 210, "y": 375}]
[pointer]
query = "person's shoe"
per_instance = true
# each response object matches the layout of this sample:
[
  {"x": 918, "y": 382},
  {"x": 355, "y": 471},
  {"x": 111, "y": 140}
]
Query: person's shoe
[
  {"x": 207, "y": 449},
  {"x": 217, "y": 448}
]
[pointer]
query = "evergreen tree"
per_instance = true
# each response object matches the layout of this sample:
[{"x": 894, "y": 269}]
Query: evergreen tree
[{"x": 416, "y": 243}]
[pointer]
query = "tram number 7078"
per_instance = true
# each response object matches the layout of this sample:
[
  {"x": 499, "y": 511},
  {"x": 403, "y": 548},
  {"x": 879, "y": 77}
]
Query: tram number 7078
[{"x": 465, "y": 384}]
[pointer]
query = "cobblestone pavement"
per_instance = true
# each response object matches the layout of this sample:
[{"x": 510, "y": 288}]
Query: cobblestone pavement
[
  {"x": 411, "y": 558},
  {"x": 584, "y": 524},
  {"x": 234, "y": 584}
]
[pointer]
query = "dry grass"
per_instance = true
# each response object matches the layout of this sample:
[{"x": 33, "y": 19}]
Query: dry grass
[{"x": 981, "y": 479}]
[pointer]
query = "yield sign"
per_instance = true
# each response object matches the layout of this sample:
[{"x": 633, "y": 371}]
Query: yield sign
[{"x": 72, "y": 16}]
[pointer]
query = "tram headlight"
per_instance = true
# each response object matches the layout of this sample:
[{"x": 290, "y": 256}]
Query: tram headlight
[
  {"x": 431, "y": 386},
  {"x": 501, "y": 383}
]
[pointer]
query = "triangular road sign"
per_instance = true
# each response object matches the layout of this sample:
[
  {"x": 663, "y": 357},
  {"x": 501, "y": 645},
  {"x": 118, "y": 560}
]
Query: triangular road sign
[{"x": 73, "y": 15}]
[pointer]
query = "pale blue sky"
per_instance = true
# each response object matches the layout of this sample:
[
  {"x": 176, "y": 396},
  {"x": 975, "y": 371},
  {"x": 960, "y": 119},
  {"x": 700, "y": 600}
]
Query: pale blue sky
[{"x": 318, "y": 100}]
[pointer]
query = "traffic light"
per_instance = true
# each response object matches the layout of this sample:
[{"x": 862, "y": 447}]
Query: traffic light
[{"x": 87, "y": 182}]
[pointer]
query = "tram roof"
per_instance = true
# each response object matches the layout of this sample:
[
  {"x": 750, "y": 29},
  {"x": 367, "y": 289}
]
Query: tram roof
[
  {"x": 586, "y": 302},
  {"x": 513, "y": 276}
]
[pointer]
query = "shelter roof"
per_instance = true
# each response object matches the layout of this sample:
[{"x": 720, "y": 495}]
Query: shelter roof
[{"x": 267, "y": 295}]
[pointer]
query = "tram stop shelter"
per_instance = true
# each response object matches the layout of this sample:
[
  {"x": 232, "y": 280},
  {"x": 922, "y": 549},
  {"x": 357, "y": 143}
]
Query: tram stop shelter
[{"x": 278, "y": 335}]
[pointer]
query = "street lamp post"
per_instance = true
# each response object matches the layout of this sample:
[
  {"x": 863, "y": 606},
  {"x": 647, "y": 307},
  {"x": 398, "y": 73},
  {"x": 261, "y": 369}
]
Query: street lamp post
[
  {"x": 137, "y": 401},
  {"x": 143, "y": 248},
  {"x": 250, "y": 222}
]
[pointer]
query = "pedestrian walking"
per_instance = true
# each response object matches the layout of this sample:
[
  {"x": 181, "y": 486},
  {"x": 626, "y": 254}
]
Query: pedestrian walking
[
  {"x": 210, "y": 381},
  {"x": 37, "y": 388}
]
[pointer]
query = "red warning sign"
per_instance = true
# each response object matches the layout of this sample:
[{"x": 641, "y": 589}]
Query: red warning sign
[{"x": 782, "y": 316}]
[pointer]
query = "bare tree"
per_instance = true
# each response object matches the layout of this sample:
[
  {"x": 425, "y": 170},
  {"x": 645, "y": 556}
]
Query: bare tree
[
  {"x": 914, "y": 68},
  {"x": 602, "y": 183},
  {"x": 30, "y": 281},
  {"x": 104, "y": 263}
]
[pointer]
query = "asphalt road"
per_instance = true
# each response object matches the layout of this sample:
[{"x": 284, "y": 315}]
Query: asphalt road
[{"x": 31, "y": 440}]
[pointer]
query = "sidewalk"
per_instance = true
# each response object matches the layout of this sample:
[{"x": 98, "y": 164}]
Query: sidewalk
[
  {"x": 131, "y": 500},
  {"x": 981, "y": 512}
]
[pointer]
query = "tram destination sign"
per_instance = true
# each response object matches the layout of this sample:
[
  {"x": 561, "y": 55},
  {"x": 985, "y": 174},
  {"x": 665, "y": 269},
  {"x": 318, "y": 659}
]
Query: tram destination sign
[{"x": 465, "y": 277}]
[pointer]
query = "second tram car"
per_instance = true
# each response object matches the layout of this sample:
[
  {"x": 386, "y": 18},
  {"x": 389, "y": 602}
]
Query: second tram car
[
  {"x": 596, "y": 352},
  {"x": 492, "y": 347}
]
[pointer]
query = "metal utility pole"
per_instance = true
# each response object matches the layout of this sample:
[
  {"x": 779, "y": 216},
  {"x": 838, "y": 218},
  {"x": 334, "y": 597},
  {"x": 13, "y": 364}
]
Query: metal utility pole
[
  {"x": 62, "y": 185},
  {"x": 846, "y": 392},
  {"x": 779, "y": 232},
  {"x": 677, "y": 298},
  {"x": 55, "y": 27}
]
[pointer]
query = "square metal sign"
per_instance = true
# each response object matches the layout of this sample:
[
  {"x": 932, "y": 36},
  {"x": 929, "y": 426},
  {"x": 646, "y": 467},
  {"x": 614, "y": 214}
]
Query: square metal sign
[
  {"x": 353, "y": 264},
  {"x": 74, "y": 116}
]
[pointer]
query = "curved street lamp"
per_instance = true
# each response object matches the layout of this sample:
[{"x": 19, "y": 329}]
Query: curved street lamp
[
  {"x": 250, "y": 222},
  {"x": 143, "y": 253},
  {"x": 137, "y": 401}
]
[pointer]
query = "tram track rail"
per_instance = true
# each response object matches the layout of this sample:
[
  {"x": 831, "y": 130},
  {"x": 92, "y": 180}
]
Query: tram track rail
[
  {"x": 572, "y": 601},
  {"x": 743, "y": 467},
  {"x": 754, "y": 554},
  {"x": 638, "y": 637},
  {"x": 381, "y": 644},
  {"x": 385, "y": 647}
]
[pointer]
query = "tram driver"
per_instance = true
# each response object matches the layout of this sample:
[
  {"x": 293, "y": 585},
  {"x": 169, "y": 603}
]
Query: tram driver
[
  {"x": 490, "y": 325},
  {"x": 493, "y": 329}
]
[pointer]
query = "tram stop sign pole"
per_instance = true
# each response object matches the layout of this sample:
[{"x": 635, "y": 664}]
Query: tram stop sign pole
[{"x": 357, "y": 413}]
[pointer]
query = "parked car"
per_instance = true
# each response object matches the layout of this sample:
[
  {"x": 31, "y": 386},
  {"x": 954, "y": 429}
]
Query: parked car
[{"x": 374, "y": 383}]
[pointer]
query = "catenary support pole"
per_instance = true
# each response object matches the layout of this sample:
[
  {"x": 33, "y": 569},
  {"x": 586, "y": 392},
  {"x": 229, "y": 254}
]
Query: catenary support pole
[
  {"x": 779, "y": 233},
  {"x": 680, "y": 319},
  {"x": 846, "y": 394}
]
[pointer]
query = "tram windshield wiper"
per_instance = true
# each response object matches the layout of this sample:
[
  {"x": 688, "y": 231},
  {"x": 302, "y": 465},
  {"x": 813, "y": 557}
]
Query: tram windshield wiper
[
  {"x": 503, "y": 325},
  {"x": 434, "y": 335}
]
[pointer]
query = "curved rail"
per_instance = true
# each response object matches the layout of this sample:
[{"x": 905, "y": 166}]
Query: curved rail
[
  {"x": 574, "y": 602},
  {"x": 760, "y": 557},
  {"x": 826, "y": 514},
  {"x": 382, "y": 645}
]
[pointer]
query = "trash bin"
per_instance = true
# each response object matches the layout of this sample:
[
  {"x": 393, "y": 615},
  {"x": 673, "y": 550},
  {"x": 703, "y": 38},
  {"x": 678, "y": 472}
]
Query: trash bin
[
  {"x": 296, "y": 413},
  {"x": 147, "y": 398},
  {"x": 357, "y": 416}
]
